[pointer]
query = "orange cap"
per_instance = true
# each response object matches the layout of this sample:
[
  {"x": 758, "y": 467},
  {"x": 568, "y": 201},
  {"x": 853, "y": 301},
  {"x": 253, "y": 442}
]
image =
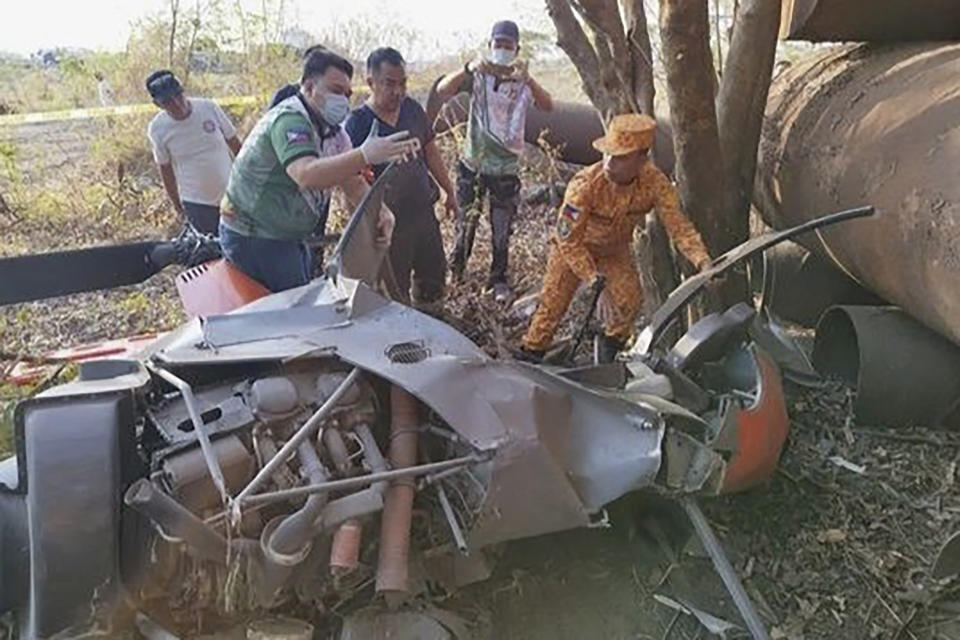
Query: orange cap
[{"x": 627, "y": 133}]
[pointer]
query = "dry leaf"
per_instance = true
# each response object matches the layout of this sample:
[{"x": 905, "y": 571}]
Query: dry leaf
[{"x": 832, "y": 536}]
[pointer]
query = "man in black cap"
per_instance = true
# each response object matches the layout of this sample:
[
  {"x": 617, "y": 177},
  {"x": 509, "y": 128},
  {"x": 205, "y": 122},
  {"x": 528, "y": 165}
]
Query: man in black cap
[
  {"x": 192, "y": 139},
  {"x": 500, "y": 90}
]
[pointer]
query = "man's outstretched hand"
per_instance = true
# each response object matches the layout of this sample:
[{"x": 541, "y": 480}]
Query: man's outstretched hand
[
  {"x": 396, "y": 146},
  {"x": 450, "y": 204}
]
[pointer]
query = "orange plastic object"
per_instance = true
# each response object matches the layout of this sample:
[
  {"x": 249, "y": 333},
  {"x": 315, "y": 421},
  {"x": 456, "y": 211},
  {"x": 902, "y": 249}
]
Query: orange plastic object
[
  {"x": 345, "y": 550},
  {"x": 393, "y": 571},
  {"x": 761, "y": 431},
  {"x": 28, "y": 373},
  {"x": 216, "y": 287}
]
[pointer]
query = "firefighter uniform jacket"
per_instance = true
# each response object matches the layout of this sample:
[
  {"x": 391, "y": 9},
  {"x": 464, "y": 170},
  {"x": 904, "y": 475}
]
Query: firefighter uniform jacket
[{"x": 593, "y": 235}]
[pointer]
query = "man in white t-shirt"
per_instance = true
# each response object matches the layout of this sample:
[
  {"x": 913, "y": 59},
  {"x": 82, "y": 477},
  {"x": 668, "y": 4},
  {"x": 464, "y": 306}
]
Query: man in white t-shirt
[{"x": 192, "y": 140}]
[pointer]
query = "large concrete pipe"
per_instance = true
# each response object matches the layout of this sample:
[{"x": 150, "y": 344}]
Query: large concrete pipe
[
  {"x": 571, "y": 127},
  {"x": 875, "y": 20},
  {"x": 904, "y": 373},
  {"x": 876, "y": 125},
  {"x": 799, "y": 286}
]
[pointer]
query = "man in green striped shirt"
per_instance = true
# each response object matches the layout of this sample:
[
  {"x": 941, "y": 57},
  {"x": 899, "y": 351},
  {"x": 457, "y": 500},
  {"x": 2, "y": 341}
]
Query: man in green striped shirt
[{"x": 280, "y": 185}]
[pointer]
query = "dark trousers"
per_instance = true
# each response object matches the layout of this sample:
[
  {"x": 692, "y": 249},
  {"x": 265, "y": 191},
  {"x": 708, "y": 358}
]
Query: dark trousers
[
  {"x": 276, "y": 264},
  {"x": 417, "y": 248},
  {"x": 205, "y": 218},
  {"x": 504, "y": 196}
]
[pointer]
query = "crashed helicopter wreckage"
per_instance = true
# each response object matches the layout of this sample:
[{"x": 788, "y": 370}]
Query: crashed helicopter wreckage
[{"x": 274, "y": 453}]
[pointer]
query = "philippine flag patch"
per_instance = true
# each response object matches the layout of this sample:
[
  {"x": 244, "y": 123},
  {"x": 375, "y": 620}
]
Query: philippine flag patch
[{"x": 298, "y": 136}]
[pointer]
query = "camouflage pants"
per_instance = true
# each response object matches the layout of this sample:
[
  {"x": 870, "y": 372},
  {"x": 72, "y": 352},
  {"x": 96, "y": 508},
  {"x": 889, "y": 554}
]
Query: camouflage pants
[
  {"x": 504, "y": 198},
  {"x": 560, "y": 283}
]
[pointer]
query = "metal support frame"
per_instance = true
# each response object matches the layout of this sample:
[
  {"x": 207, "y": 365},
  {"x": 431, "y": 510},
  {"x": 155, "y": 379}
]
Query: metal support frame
[
  {"x": 451, "y": 517},
  {"x": 360, "y": 481},
  {"x": 724, "y": 569},
  {"x": 186, "y": 391},
  {"x": 304, "y": 432}
]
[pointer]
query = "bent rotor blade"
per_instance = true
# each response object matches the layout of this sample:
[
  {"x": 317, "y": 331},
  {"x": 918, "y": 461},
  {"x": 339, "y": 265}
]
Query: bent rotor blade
[
  {"x": 356, "y": 256},
  {"x": 47, "y": 275},
  {"x": 690, "y": 287}
]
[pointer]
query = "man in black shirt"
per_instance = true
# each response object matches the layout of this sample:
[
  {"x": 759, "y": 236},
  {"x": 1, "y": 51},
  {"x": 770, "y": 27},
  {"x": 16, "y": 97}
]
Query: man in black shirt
[{"x": 416, "y": 246}]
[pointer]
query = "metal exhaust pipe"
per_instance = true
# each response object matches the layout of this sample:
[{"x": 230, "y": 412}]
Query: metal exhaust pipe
[
  {"x": 345, "y": 550},
  {"x": 291, "y": 539},
  {"x": 175, "y": 520},
  {"x": 392, "y": 567}
]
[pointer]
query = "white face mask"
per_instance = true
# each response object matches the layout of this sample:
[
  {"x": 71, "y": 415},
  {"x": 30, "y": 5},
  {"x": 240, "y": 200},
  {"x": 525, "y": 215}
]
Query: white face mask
[
  {"x": 502, "y": 57},
  {"x": 335, "y": 108}
]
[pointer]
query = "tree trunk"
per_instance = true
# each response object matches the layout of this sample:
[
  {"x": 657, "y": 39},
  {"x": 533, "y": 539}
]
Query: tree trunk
[
  {"x": 743, "y": 96},
  {"x": 685, "y": 34},
  {"x": 658, "y": 271},
  {"x": 685, "y": 37},
  {"x": 620, "y": 100}
]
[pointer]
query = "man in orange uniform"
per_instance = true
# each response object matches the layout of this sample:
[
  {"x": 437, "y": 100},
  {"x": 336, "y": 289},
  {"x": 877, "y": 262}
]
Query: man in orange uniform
[{"x": 602, "y": 206}]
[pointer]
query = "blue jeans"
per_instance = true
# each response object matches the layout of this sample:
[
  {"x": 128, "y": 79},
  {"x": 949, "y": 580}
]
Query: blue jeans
[
  {"x": 204, "y": 217},
  {"x": 276, "y": 264}
]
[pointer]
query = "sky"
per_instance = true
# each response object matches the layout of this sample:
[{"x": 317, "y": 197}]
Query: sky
[{"x": 29, "y": 25}]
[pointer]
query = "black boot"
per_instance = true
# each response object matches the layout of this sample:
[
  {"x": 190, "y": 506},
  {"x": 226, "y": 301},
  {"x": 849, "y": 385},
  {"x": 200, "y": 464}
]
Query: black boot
[
  {"x": 534, "y": 356},
  {"x": 608, "y": 348}
]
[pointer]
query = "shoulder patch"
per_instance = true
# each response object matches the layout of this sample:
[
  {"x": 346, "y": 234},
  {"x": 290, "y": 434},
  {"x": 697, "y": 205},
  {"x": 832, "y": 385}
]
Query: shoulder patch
[
  {"x": 570, "y": 211},
  {"x": 298, "y": 136}
]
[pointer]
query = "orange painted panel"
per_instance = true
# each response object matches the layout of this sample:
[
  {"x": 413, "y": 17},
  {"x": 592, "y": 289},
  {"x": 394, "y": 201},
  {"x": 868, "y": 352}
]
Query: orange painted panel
[
  {"x": 216, "y": 287},
  {"x": 761, "y": 432}
]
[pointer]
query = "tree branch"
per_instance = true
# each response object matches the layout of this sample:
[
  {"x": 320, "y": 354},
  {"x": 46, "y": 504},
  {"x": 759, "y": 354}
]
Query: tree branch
[
  {"x": 612, "y": 48},
  {"x": 641, "y": 54},
  {"x": 193, "y": 43},
  {"x": 574, "y": 42},
  {"x": 716, "y": 11},
  {"x": 621, "y": 97},
  {"x": 174, "y": 11}
]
